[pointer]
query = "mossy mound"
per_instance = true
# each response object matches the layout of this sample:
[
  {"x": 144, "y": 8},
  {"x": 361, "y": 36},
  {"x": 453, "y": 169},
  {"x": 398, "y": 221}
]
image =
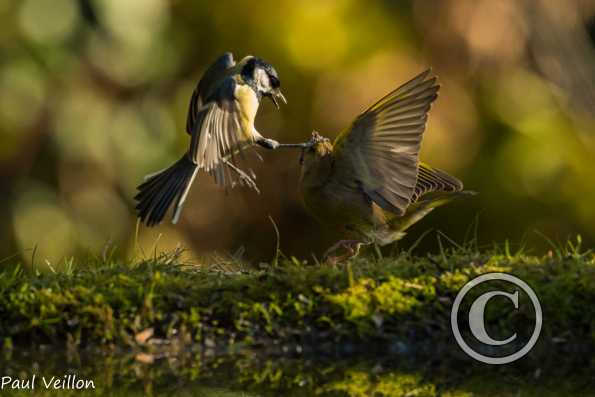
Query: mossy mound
[{"x": 393, "y": 302}]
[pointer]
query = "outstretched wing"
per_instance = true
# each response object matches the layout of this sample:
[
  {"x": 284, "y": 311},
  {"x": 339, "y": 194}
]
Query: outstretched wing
[
  {"x": 206, "y": 86},
  {"x": 434, "y": 180},
  {"x": 218, "y": 133},
  {"x": 379, "y": 152}
]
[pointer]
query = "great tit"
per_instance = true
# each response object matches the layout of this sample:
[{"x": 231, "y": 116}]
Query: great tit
[
  {"x": 220, "y": 122},
  {"x": 369, "y": 183}
]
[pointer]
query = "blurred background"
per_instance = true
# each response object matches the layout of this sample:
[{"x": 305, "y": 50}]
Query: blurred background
[{"x": 94, "y": 94}]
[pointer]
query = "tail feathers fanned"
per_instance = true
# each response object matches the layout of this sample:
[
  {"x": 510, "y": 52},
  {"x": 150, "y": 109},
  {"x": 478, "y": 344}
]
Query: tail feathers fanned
[
  {"x": 418, "y": 210},
  {"x": 157, "y": 194}
]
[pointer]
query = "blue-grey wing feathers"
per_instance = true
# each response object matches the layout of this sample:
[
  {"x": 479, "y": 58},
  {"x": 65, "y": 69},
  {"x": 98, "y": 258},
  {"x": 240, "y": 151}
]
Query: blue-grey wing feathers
[
  {"x": 209, "y": 82},
  {"x": 218, "y": 135}
]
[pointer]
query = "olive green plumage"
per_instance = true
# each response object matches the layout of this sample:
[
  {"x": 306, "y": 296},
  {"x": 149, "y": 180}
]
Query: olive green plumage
[{"x": 369, "y": 182}]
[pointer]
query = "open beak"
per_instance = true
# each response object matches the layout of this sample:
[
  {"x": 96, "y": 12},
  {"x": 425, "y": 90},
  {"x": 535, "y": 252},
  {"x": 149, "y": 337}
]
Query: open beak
[{"x": 277, "y": 94}]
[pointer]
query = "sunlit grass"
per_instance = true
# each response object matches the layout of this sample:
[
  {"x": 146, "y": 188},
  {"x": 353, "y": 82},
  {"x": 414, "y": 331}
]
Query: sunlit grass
[{"x": 225, "y": 302}]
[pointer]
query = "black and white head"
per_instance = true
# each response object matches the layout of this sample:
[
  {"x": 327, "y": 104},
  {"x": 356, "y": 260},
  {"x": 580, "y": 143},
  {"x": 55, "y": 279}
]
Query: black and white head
[{"x": 263, "y": 79}]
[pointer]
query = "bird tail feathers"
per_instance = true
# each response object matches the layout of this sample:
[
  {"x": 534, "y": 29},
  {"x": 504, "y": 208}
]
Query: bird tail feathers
[
  {"x": 159, "y": 191},
  {"x": 416, "y": 211}
]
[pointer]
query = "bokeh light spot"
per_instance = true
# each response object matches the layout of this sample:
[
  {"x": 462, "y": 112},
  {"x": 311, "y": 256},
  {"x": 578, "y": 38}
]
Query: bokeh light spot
[
  {"x": 316, "y": 35},
  {"x": 41, "y": 225},
  {"x": 48, "y": 21},
  {"x": 90, "y": 204},
  {"x": 22, "y": 93}
]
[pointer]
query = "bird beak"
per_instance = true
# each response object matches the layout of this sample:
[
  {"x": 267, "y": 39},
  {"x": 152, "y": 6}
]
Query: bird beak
[
  {"x": 280, "y": 95},
  {"x": 277, "y": 94}
]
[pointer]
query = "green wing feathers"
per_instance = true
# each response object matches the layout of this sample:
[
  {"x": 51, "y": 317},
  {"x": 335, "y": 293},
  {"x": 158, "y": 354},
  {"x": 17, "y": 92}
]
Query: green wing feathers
[
  {"x": 407, "y": 92},
  {"x": 379, "y": 152},
  {"x": 398, "y": 225},
  {"x": 434, "y": 180},
  {"x": 433, "y": 189}
]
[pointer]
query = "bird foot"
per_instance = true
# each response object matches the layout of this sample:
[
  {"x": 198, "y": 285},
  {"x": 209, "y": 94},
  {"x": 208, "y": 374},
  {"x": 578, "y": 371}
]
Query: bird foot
[
  {"x": 351, "y": 247},
  {"x": 245, "y": 179},
  {"x": 248, "y": 181}
]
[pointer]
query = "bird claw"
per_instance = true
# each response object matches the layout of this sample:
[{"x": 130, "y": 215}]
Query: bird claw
[
  {"x": 352, "y": 248},
  {"x": 269, "y": 143},
  {"x": 247, "y": 181}
]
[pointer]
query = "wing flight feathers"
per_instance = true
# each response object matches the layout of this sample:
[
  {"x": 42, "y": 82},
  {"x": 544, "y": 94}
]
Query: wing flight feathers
[{"x": 381, "y": 147}]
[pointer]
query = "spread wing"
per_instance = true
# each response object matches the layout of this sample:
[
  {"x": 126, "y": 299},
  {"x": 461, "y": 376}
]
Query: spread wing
[
  {"x": 379, "y": 152},
  {"x": 217, "y": 135},
  {"x": 206, "y": 86},
  {"x": 434, "y": 180}
]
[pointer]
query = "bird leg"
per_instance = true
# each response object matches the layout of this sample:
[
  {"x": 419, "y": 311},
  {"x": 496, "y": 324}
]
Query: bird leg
[
  {"x": 267, "y": 143},
  {"x": 272, "y": 144},
  {"x": 293, "y": 145},
  {"x": 245, "y": 178},
  {"x": 352, "y": 248}
]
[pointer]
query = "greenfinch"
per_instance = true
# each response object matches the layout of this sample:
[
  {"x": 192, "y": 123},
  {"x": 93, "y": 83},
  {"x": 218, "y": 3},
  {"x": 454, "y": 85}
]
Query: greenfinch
[{"x": 369, "y": 183}]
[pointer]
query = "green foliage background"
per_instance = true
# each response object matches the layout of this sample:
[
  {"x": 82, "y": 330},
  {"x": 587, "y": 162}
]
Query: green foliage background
[{"x": 93, "y": 95}]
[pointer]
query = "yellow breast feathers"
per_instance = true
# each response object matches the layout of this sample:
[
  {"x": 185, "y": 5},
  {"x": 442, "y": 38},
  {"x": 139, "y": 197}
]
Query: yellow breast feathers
[{"x": 248, "y": 105}]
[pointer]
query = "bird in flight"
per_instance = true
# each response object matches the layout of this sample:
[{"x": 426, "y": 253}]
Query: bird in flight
[{"x": 220, "y": 122}]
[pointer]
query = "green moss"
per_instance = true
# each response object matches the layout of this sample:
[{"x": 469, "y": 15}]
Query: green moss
[
  {"x": 362, "y": 384},
  {"x": 398, "y": 298}
]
